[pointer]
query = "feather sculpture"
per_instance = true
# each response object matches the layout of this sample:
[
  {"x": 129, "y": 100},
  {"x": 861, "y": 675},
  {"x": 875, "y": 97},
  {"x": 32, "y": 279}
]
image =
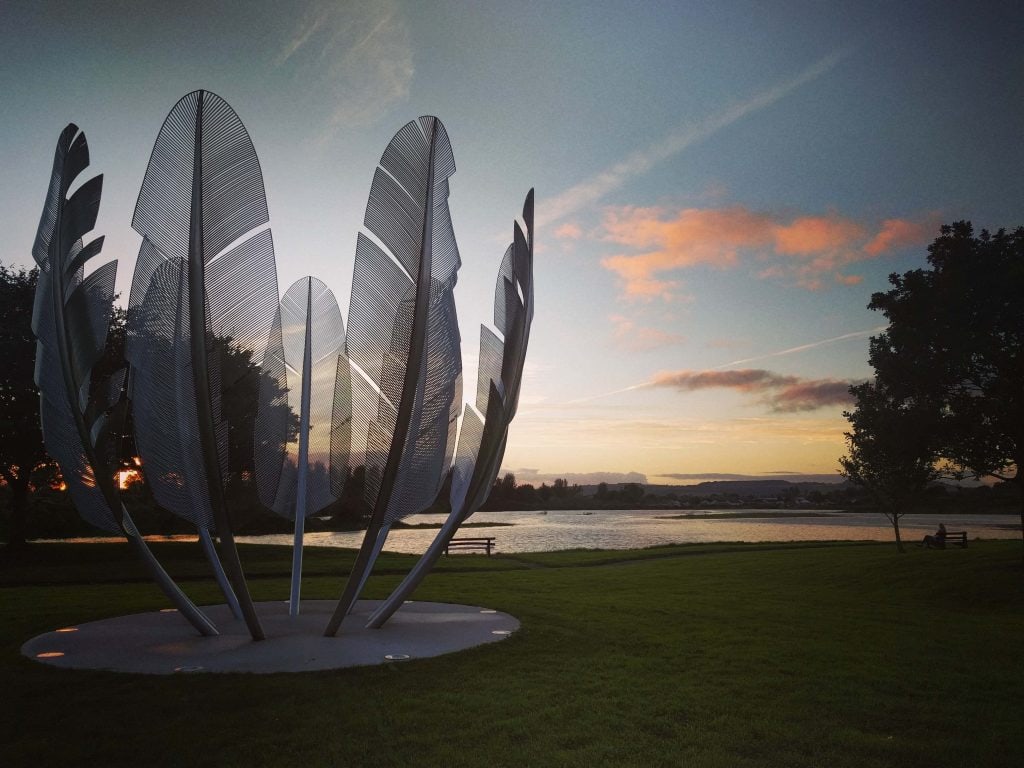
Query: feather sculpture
[
  {"x": 403, "y": 338},
  {"x": 301, "y": 471},
  {"x": 482, "y": 443},
  {"x": 82, "y": 423},
  {"x": 203, "y": 298}
]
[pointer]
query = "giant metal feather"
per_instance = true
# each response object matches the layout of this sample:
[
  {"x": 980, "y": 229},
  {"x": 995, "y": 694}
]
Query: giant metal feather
[
  {"x": 499, "y": 376},
  {"x": 403, "y": 337},
  {"x": 70, "y": 319},
  {"x": 306, "y": 361},
  {"x": 203, "y": 298}
]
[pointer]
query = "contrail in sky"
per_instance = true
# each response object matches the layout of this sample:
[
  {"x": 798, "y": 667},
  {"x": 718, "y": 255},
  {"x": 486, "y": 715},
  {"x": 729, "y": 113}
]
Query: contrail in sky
[
  {"x": 642, "y": 160},
  {"x": 780, "y": 353},
  {"x": 802, "y": 347}
]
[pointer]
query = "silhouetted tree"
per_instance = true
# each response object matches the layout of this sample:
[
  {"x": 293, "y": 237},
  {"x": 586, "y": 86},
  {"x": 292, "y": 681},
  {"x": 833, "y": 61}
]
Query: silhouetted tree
[
  {"x": 632, "y": 493},
  {"x": 955, "y": 344},
  {"x": 890, "y": 451},
  {"x": 350, "y": 511},
  {"x": 508, "y": 485},
  {"x": 21, "y": 440}
]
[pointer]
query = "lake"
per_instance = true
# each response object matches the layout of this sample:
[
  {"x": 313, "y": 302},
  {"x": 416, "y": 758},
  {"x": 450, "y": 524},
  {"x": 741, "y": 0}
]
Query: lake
[{"x": 634, "y": 529}]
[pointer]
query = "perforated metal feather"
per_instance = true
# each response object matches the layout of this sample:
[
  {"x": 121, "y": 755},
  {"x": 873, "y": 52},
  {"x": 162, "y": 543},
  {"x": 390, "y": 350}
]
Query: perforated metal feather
[
  {"x": 71, "y": 315},
  {"x": 402, "y": 327},
  {"x": 499, "y": 375},
  {"x": 309, "y": 311},
  {"x": 482, "y": 442},
  {"x": 202, "y": 215},
  {"x": 204, "y": 297},
  {"x": 403, "y": 337}
]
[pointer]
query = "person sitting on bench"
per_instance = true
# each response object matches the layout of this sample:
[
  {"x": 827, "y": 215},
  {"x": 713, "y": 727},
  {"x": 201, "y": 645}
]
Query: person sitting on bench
[{"x": 936, "y": 541}]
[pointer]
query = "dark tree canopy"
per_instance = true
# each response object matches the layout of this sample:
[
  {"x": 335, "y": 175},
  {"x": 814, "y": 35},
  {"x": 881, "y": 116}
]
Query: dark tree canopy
[
  {"x": 955, "y": 346},
  {"x": 21, "y": 440},
  {"x": 891, "y": 451}
]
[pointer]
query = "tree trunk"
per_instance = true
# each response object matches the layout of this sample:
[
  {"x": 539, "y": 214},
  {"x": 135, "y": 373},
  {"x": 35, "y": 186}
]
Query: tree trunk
[
  {"x": 896, "y": 528},
  {"x": 18, "y": 488}
]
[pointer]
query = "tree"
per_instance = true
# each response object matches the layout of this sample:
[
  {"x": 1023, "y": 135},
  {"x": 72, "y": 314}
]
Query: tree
[
  {"x": 891, "y": 452},
  {"x": 21, "y": 440},
  {"x": 632, "y": 493},
  {"x": 955, "y": 344}
]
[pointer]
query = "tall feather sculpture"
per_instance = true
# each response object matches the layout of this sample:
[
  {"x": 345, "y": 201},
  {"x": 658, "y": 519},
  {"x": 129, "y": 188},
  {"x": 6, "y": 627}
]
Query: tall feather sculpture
[
  {"x": 82, "y": 423},
  {"x": 403, "y": 338},
  {"x": 300, "y": 471},
  {"x": 482, "y": 443},
  {"x": 204, "y": 296}
]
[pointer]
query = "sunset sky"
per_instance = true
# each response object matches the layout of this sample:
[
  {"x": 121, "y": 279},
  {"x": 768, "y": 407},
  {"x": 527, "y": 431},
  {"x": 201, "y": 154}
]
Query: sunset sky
[{"x": 720, "y": 186}]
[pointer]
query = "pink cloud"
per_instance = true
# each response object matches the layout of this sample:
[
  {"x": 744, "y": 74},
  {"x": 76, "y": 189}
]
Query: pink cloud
[
  {"x": 569, "y": 231},
  {"x": 810, "y": 235},
  {"x": 694, "y": 236},
  {"x": 899, "y": 233},
  {"x": 630, "y": 335},
  {"x": 781, "y": 392},
  {"x": 849, "y": 279},
  {"x": 809, "y": 251}
]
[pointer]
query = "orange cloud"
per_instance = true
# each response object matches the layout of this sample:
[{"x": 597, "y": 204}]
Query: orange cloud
[
  {"x": 695, "y": 236},
  {"x": 630, "y": 335},
  {"x": 899, "y": 233},
  {"x": 809, "y": 235},
  {"x": 782, "y": 393},
  {"x": 569, "y": 231},
  {"x": 807, "y": 249}
]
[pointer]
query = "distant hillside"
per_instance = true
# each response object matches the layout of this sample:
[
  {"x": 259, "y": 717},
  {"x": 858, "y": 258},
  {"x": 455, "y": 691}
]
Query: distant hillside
[{"x": 722, "y": 487}]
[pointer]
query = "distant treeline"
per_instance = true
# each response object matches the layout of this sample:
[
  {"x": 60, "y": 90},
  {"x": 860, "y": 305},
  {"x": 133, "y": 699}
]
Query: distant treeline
[{"x": 53, "y": 516}]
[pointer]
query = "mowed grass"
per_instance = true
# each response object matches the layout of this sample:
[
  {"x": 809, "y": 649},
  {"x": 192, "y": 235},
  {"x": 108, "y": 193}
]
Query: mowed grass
[{"x": 711, "y": 655}]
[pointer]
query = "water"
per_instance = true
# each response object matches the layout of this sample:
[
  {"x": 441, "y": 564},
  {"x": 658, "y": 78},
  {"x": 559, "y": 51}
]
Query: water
[{"x": 634, "y": 529}]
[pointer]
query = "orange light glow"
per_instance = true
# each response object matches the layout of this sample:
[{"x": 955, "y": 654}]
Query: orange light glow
[
  {"x": 50, "y": 655},
  {"x": 68, "y": 629},
  {"x": 127, "y": 477}
]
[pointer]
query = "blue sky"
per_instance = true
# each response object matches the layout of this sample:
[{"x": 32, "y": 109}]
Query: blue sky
[{"x": 720, "y": 186}]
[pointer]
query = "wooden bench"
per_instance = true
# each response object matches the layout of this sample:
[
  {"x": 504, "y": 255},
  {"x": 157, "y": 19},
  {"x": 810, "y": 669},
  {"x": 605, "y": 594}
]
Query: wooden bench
[
  {"x": 960, "y": 536},
  {"x": 482, "y": 542}
]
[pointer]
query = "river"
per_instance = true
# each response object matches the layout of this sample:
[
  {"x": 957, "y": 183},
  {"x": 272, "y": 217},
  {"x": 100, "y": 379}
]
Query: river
[{"x": 634, "y": 529}]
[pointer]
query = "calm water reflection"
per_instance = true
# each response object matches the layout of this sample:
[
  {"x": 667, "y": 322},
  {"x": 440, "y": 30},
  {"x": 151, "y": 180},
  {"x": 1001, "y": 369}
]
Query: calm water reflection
[{"x": 632, "y": 529}]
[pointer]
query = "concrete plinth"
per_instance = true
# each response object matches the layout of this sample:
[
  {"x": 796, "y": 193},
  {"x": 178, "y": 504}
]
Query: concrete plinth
[{"x": 163, "y": 643}]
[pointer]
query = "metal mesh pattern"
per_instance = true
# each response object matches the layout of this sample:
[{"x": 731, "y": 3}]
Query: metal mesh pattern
[
  {"x": 341, "y": 426},
  {"x": 234, "y": 201},
  {"x": 378, "y": 286},
  {"x": 431, "y": 438},
  {"x": 326, "y": 333},
  {"x": 241, "y": 293},
  {"x": 273, "y": 417},
  {"x": 228, "y": 255},
  {"x": 492, "y": 351},
  {"x": 501, "y": 294},
  {"x": 465, "y": 455},
  {"x": 164, "y": 397},
  {"x": 70, "y": 319}
]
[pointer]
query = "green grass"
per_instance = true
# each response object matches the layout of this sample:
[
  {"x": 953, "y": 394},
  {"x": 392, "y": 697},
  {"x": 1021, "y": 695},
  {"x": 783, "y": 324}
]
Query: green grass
[{"x": 706, "y": 655}]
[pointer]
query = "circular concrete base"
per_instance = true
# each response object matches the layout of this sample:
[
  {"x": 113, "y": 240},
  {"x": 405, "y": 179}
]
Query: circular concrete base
[{"x": 163, "y": 643}]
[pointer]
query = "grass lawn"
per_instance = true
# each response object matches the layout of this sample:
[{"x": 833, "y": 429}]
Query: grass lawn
[{"x": 701, "y": 655}]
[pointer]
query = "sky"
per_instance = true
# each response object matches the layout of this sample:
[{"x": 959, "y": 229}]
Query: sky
[{"x": 720, "y": 187}]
